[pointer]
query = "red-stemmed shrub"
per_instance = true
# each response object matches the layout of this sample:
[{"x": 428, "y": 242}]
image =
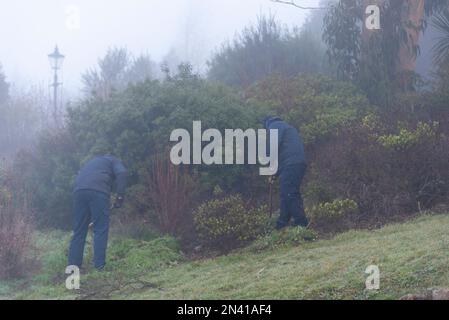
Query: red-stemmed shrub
[
  {"x": 15, "y": 229},
  {"x": 170, "y": 189}
]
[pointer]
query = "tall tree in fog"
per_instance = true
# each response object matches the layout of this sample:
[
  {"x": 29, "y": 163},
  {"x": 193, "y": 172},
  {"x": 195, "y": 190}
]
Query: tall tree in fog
[
  {"x": 110, "y": 74},
  {"x": 115, "y": 71},
  {"x": 170, "y": 62},
  {"x": 140, "y": 69},
  {"x": 381, "y": 61},
  {"x": 263, "y": 49},
  {"x": 4, "y": 87}
]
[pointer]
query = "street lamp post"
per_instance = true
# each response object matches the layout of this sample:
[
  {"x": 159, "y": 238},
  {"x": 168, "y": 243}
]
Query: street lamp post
[{"x": 56, "y": 59}]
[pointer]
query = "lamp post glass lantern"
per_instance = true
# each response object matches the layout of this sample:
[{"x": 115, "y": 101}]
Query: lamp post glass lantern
[{"x": 56, "y": 59}]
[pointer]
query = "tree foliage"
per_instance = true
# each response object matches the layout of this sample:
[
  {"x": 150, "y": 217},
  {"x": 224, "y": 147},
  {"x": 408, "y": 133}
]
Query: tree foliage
[
  {"x": 263, "y": 49},
  {"x": 4, "y": 87},
  {"x": 441, "y": 48},
  {"x": 116, "y": 70},
  {"x": 134, "y": 125},
  {"x": 317, "y": 105},
  {"x": 377, "y": 60}
]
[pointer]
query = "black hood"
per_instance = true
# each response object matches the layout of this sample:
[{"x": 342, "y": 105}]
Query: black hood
[{"x": 269, "y": 120}]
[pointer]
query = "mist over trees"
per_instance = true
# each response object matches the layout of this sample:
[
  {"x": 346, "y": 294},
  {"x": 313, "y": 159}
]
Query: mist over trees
[
  {"x": 115, "y": 71},
  {"x": 376, "y": 140},
  {"x": 23, "y": 118},
  {"x": 124, "y": 123},
  {"x": 274, "y": 66}
]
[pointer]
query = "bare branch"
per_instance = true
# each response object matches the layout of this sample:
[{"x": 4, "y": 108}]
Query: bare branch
[{"x": 293, "y": 3}]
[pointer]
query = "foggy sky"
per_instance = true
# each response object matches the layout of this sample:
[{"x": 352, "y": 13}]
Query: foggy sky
[{"x": 29, "y": 30}]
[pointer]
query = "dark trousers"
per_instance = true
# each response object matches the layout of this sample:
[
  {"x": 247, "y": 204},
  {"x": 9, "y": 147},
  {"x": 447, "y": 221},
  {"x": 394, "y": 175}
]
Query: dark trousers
[
  {"x": 291, "y": 199},
  {"x": 89, "y": 206}
]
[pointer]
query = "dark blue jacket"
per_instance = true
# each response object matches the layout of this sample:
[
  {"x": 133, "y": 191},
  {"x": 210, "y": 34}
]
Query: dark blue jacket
[
  {"x": 290, "y": 145},
  {"x": 100, "y": 174}
]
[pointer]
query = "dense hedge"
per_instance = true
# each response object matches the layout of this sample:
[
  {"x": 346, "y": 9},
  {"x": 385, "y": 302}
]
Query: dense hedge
[
  {"x": 134, "y": 125},
  {"x": 390, "y": 163}
]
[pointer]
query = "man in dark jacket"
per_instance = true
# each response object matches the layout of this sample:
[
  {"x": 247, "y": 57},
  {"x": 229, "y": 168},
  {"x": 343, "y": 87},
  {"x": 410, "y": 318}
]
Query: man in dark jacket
[
  {"x": 291, "y": 170},
  {"x": 93, "y": 187}
]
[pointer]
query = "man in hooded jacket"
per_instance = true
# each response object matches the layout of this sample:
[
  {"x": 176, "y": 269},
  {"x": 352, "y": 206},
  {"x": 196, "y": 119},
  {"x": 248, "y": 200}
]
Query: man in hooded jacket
[
  {"x": 291, "y": 170},
  {"x": 91, "y": 203}
]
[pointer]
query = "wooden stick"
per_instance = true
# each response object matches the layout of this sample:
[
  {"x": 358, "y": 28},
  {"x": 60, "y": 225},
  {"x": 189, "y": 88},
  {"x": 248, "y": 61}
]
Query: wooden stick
[{"x": 271, "y": 200}]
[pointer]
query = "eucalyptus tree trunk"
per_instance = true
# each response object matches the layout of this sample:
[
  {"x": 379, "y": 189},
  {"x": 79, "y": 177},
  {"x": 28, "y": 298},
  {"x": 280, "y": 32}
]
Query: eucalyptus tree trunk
[{"x": 412, "y": 18}]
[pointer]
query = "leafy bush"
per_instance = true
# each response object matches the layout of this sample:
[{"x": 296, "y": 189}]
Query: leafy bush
[
  {"x": 47, "y": 175},
  {"x": 139, "y": 257},
  {"x": 407, "y": 139},
  {"x": 134, "y": 125},
  {"x": 388, "y": 166},
  {"x": 137, "y": 204},
  {"x": 229, "y": 222},
  {"x": 331, "y": 212},
  {"x": 391, "y": 163},
  {"x": 317, "y": 105}
]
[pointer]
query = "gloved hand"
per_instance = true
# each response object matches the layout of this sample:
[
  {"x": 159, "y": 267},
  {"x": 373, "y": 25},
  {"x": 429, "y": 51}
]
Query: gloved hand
[{"x": 118, "y": 203}]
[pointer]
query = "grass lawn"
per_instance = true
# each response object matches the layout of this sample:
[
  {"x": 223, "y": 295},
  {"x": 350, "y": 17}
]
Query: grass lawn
[{"x": 412, "y": 257}]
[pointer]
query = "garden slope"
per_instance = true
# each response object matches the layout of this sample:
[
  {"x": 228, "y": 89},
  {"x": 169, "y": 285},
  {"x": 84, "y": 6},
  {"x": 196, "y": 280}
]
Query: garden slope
[{"x": 412, "y": 257}]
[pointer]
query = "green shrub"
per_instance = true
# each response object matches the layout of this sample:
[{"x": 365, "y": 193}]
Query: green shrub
[
  {"x": 47, "y": 174},
  {"x": 387, "y": 163},
  {"x": 133, "y": 125},
  {"x": 287, "y": 237},
  {"x": 137, "y": 203},
  {"x": 317, "y": 105},
  {"x": 407, "y": 139},
  {"x": 134, "y": 258},
  {"x": 229, "y": 222},
  {"x": 331, "y": 212}
]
